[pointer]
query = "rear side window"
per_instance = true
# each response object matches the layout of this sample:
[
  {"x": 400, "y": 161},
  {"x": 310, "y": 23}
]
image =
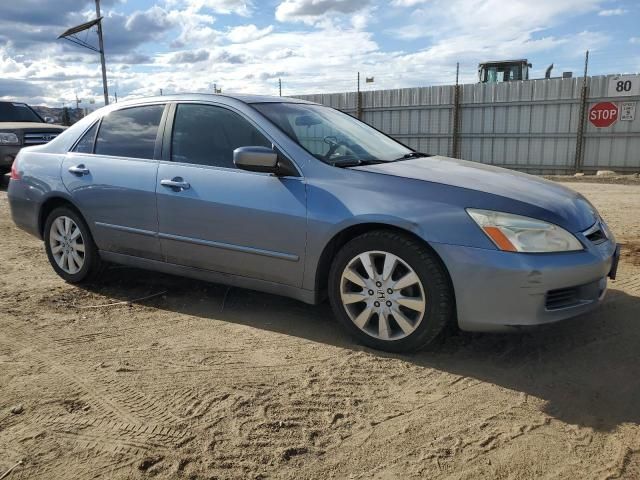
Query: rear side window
[
  {"x": 85, "y": 145},
  {"x": 208, "y": 135},
  {"x": 130, "y": 132}
]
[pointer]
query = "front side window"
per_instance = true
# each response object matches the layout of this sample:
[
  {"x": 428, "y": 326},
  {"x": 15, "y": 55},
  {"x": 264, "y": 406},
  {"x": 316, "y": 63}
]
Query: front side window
[
  {"x": 208, "y": 135},
  {"x": 130, "y": 132},
  {"x": 332, "y": 136},
  {"x": 85, "y": 145}
]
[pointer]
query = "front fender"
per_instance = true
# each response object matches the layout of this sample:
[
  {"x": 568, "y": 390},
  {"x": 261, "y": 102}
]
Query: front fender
[{"x": 432, "y": 212}]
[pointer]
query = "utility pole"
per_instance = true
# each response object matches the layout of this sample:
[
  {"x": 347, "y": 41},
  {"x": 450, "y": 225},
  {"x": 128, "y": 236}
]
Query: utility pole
[
  {"x": 101, "y": 47},
  {"x": 581, "y": 117},
  {"x": 280, "y": 85},
  {"x": 160, "y": 92}
]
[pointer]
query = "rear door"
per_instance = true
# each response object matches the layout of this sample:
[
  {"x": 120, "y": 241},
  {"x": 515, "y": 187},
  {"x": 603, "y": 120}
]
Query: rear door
[
  {"x": 111, "y": 175},
  {"x": 225, "y": 219}
]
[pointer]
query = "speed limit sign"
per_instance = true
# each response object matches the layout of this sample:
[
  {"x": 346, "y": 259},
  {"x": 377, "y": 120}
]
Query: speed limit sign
[{"x": 623, "y": 86}]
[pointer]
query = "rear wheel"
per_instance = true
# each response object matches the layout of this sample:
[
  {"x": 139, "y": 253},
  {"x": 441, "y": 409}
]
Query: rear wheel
[
  {"x": 70, "y": 247},
  {"x": 390, "y": 291}
]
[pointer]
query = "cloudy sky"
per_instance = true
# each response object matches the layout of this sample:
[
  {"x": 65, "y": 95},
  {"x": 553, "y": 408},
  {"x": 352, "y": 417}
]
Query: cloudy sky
[{"x": 312, "y": 45}]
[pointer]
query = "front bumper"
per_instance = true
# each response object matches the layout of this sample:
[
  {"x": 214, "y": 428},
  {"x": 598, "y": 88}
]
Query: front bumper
[
  {"x": 8, "y": 154},
  {"x": 501, "y": 291}
]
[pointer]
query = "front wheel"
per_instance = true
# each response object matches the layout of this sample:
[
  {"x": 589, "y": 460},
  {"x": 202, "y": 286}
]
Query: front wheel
[
  {"x": 391, "y": 291},
  {"x": 70, "y": 247}
]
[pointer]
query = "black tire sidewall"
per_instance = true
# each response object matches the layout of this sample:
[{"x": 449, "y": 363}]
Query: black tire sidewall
[
  {"x": 440, "y": 303},
  {"x": 91, "y": 259}
]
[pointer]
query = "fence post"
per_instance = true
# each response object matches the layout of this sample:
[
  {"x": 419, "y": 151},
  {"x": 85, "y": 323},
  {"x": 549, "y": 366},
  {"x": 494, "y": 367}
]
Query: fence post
[
  {"x": 455, "y": 135},
  {"x": 359, "y": 101},
  {"x": 577, "y": 166}
]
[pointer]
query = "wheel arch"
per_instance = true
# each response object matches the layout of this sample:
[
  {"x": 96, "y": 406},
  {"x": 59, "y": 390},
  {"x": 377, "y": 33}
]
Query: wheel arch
[
  {"x": 349, "y": 233},
  {"x": 50, "y": 204}
]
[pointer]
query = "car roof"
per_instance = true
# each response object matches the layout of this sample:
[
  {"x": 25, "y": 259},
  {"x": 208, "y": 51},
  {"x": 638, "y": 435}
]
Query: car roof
[
  {"x": 10, "y": 102},
  {"x": 218, "y": 97},
  {"x": 246, "y": 98}
]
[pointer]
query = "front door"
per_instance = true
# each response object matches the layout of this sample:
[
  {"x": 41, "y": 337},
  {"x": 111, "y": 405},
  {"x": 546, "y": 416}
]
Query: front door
[
  {"x": 214, "y": 216},
  {"x": 112, "y": 177}
]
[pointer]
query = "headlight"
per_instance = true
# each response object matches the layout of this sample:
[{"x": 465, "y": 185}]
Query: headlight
[
  {"x": 514, "y": 233},
  {"x": 9, "y": 139}
]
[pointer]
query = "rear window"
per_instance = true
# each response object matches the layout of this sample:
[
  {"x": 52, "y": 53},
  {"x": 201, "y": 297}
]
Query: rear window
[{"x": 130, "y": 132}]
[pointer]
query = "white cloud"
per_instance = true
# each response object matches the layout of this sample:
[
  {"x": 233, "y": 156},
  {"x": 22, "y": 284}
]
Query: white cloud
[
  {"x": 497, "y": 29},
  {"x": 247, "y": 33},
  {"x": 313, "y": 11},
  {"x": 492, "y": 21},
  {"x": 189, "y": 56},
  {"x": 362, "y": 20},
  {"x": 612, "y": 12},
  {"x": 195, "y": 28},
  {"x": 635, "y": 40},
  {"x": 124, "y": 33},
  {"x": 407, "y": 3},
  {"x": 325, "y": 58},
  {"x": 238, "y": 7},
  {"x": 306, "y": 61}
]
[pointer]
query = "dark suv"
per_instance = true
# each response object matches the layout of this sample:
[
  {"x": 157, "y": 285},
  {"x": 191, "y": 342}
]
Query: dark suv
[{"x": 21, "y": 126}]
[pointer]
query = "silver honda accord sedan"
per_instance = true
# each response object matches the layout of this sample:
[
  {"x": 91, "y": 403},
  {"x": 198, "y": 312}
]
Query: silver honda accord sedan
[{"x": 298, "y": 199}]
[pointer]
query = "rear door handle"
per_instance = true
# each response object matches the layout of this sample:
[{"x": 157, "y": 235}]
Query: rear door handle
[
  {"x": 176, "y": 183},
  {"x": 79, "y": 170}
]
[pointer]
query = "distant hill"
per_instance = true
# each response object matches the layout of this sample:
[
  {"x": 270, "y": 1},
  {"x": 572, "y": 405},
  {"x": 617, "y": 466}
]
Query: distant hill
[{"x": 75, "y": 114}]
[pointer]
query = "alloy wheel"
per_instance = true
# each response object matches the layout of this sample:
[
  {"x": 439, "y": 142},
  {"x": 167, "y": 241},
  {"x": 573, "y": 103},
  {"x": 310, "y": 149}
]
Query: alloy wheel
[
  {"x": 67, "y": 245},
  {"x": 382, "y": 295}
]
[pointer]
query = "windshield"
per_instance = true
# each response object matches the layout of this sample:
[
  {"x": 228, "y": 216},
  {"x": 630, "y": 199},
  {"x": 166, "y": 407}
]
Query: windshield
[
  {"x": 332, "y": 136},
  {"x": 18, "y": 112},
  {"x": 502, "y": 73}
]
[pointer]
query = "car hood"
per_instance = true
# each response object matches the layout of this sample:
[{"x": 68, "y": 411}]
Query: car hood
[
  {"x": 561, "y": 201},
  {"x": 30, "y": 125}
]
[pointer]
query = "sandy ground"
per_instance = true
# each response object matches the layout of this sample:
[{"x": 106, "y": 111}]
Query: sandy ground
[
  {"x": 206, "y": 382},
  {"x": 628, "y": 179}
]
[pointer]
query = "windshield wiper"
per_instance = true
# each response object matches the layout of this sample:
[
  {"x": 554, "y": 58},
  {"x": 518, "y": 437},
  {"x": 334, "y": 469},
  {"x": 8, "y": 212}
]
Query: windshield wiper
[
  {"x": 354, "y": 162},
  {"x": 411, "y": 155}
]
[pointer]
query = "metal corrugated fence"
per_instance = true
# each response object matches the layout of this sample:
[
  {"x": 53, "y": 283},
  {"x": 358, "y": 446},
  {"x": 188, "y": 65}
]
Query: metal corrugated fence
[{"x": 527, "y": 125}]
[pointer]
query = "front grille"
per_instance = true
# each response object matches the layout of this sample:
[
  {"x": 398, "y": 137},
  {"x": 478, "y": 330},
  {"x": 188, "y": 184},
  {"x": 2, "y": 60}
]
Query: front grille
[
  {"x": 38, "y": 138},
  {"x": 562, "y": 298}
]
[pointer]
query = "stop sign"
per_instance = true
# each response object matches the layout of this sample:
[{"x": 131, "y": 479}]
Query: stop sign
[{"x": 603, "y": 114}]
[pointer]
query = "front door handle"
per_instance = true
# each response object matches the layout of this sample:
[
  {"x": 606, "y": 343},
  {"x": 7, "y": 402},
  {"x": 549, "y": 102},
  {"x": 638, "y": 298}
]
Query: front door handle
[
  {"x": 79, "y": 170},
  {"x": 176, "y": 183}
]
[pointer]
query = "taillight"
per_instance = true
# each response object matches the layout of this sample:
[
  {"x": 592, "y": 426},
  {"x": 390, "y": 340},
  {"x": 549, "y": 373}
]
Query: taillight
[{"x": 14, "y": 171}]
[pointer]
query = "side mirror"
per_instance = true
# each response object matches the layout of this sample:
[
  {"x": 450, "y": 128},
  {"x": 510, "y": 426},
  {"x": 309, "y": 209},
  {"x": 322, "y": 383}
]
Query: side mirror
[
  {"x": 256, "y": 159},
  {"x": 49, "y": 119}
]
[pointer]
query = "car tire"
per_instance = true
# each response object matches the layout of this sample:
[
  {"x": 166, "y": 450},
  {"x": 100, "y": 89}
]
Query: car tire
[
  {"x": 414, "y": 294},
  {"x": 70, "y": 246}
]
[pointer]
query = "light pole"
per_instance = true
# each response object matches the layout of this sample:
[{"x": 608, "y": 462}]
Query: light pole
[
  {"x": 101, "y": 46},
  {"x": 71, "y": 35}
]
